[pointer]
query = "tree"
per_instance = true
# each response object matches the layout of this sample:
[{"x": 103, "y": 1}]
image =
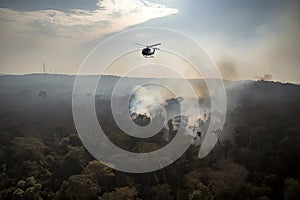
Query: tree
[
  {"x": 289, "y": 149},
  {"x": 122, "y": 193},
  {"x": 291, "y": 189},
  {"x": 241, "y": 137},
  {"x": 161, "y": 192},
  {"x": 79, "y": 187},
  {"x": 226, "y": 181},
  {"x": 194, "y": 186},
  {"x": 104, "y": 175}
]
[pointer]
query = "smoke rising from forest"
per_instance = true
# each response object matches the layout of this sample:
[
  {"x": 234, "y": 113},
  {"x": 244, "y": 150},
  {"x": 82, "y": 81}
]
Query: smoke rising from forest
[{"x": 228, "y": 67}]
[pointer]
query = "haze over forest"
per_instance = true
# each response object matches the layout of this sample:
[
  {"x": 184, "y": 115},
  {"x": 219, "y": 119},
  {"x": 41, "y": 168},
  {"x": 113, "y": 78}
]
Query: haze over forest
[{"x": 42, "y": 156}]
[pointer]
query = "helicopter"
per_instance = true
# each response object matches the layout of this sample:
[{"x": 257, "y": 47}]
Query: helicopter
[{"x": 149, "y": 51}]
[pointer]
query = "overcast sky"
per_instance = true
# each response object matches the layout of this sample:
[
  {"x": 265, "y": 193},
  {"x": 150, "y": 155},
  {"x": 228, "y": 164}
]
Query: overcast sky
[{"x": 246, "y": 39}]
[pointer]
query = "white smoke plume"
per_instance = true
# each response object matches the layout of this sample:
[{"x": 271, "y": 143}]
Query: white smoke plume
[{"x": 264, "y": 77}]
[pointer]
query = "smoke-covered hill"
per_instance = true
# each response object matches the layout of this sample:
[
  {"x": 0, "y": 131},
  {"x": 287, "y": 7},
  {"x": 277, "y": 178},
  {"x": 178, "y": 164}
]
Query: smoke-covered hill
[{"x": 23, "y": 93}]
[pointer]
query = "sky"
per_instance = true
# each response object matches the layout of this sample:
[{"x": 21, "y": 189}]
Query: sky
[{"x": 257, "y": 39}]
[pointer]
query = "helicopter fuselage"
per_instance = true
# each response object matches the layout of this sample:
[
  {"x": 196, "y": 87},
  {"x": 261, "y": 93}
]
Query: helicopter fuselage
[{"x": 146, "y": 52}]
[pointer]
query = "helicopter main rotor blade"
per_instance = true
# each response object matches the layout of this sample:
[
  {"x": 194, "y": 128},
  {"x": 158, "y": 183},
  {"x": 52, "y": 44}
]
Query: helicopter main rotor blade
[
  {"x": 141, "y": 44},
  {"x": 154, "y": 45}
]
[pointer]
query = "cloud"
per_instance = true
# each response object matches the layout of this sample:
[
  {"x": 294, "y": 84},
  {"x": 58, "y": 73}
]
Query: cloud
[
  {"x": 62, "y": 38},
  {"x": 62, "y": 5},
  {"x": 78, "y": 24}
]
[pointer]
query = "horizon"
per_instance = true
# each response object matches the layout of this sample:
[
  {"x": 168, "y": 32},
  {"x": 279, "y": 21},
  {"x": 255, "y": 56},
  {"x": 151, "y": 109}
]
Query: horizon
[{"x": 118, "y": 76}]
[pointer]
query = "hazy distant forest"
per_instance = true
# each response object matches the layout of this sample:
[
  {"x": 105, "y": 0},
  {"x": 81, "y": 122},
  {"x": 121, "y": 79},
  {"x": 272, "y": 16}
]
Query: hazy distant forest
[{"x": 42, "y": 157}]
